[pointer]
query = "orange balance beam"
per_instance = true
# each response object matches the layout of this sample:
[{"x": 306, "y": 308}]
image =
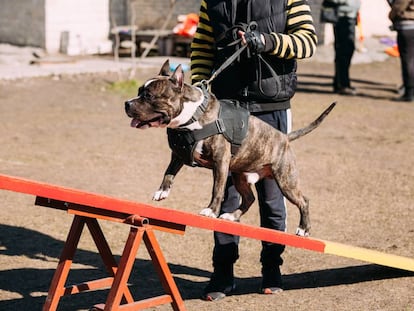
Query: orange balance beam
[{"x": 45, "y": 190}]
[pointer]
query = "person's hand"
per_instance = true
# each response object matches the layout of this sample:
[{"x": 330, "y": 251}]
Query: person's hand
[{"x": 254, "y": 40}]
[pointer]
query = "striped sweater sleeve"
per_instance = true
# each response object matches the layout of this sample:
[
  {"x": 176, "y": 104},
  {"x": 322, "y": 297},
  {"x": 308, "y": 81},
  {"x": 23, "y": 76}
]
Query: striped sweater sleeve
[
  {"x": 300, "y": 39},
  {"x": 202, "y": 47}
]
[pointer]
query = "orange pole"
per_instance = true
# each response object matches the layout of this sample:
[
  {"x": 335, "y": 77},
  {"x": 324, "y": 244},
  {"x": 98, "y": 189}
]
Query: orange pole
[{"x": 45, "y": 190}]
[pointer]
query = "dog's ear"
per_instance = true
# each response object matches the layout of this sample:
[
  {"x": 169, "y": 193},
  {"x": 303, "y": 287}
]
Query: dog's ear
[
  {"x": 165, "y": 69},
  {"x": 178, "y": 77}
]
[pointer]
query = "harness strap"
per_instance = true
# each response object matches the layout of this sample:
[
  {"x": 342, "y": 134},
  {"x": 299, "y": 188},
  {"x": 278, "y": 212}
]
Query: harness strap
[
  {"x": 213, "y": 128},
  {"x": 200, "y": 109}
]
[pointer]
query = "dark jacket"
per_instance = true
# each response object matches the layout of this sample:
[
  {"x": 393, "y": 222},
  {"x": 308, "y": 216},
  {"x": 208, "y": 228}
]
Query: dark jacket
[
  {"x": 253, "y": 79},
  {"x": 250, "y": 79},
  {"x": 402, "y": 14}
]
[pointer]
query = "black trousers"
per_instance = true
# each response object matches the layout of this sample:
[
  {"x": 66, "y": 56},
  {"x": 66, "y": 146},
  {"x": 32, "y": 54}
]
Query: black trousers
[
  {"x": 344, "y": 33},
  {"x": 405, "y": 40},
  {"x": 272, "y": 210}
]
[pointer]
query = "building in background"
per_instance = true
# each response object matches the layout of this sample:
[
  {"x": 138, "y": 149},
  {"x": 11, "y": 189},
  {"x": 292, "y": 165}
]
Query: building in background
[
  {"x": 68, "y": 26},
  {"x": 77, "y": 27}
]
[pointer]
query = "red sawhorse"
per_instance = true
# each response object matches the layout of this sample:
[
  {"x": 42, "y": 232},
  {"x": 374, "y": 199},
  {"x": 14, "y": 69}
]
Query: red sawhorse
[{"x": 119, "y": 297}]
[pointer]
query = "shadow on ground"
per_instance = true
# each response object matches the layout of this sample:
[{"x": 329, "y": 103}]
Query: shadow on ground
[
  {"x": 32, "y": 284},
  {"x": 322, "y": 84}
]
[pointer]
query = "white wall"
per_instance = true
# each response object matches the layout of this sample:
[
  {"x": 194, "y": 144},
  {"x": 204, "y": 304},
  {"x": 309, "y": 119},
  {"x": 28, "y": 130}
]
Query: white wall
[{"x": 77, "y": 26}]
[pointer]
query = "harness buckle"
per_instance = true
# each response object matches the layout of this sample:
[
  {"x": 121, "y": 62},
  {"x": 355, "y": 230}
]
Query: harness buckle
[{"x": 220, "y": 125}]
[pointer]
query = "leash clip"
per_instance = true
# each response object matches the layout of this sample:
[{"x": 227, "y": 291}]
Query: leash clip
[{"x": 220, "y": 125}]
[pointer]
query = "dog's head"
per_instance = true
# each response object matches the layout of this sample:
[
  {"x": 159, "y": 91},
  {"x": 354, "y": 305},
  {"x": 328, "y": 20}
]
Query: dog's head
[{"x": 159, "y": 100}]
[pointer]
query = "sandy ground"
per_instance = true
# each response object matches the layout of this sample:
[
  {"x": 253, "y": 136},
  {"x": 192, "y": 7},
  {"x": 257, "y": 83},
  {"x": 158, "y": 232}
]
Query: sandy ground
[{"x": 356, "y": 169}]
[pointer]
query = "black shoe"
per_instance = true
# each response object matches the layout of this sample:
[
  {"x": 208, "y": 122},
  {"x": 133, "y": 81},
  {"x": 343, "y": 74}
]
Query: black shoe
[
  {"x": 401, "y": 90},
  {"x": 408, "y": 95},
  {"x": 405, "y": 98},
  {"x": 214, "y": 295},
  {"x": 272, "y": 281},
  {"x": 348, "y": 91},
  {"x": 271, "y": 290},
  {"x": 221, "y": 283}
]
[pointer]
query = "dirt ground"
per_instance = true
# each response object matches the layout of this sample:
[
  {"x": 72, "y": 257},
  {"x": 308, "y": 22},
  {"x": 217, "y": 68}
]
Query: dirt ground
[{"x": 357, "y": 170}]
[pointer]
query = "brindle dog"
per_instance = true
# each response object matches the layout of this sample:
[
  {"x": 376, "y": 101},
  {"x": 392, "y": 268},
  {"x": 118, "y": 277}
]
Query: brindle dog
[{"x": 166, "y": 101}]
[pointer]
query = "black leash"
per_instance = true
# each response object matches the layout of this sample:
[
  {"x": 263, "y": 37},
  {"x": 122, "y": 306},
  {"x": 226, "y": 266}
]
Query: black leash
[
  {"x": 259, "y": 59},
  {"x": 226, "y": 63},
  {"x": 231, "y": 59}
]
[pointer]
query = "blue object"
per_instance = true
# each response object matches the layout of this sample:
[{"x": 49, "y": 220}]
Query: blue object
[{"x": 174, "y": 66}]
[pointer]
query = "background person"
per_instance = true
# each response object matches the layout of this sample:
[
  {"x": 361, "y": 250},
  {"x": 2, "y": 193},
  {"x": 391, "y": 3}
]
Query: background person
[
  {"x": 284, "y": 32},
  {"x": 344, "y": 36},
  {"x": 402, "y": 17}
]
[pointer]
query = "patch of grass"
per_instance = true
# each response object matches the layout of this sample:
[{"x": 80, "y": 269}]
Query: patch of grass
[{"x": 125, "y": 87}]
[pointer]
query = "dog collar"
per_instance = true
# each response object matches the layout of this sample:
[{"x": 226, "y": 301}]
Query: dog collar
[{"x": 201, "y": 108}]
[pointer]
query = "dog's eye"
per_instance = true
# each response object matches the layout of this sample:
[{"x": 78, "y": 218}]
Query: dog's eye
[
  {"x": 147, "y": 96},
  {"x": 144, "y": 94}
]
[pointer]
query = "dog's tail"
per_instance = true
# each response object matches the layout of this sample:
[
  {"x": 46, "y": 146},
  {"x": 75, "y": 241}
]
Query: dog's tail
[{"x": 307, "y": 129}]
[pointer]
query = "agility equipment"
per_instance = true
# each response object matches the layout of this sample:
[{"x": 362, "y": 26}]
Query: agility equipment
[{"x": 143, "y": 219}]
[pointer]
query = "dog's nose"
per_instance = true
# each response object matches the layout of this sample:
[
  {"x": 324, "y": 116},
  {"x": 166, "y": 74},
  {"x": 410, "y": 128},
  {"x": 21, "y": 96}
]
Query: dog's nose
[{"x": 127, "y": 105}]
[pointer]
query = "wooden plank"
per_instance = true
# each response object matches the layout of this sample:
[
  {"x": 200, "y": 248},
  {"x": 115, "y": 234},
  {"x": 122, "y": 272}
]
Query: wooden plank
[
  {"x": 161, "y": 213},
  {"x": 369, "y": 255}
]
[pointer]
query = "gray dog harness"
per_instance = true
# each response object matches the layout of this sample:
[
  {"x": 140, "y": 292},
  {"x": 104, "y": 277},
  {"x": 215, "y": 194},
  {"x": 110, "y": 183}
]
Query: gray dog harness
[{"x": 232, "y": 122}]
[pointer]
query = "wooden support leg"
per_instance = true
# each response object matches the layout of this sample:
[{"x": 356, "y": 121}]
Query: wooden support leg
[
  {"x": 57, "y": 287},
  {"x": 106, "y": 254},
  {"x": 124, "y": 270},
  {"x": 163, "y": 270}
]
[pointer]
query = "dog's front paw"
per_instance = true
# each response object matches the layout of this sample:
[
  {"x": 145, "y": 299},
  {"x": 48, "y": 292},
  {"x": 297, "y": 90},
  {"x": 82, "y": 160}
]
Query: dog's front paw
[
  {"x": 208, "y": 212},
  {"x": 302, "y": 232},
  {"x": 229, "y": 216},
  {"x": 160, "y": 195}
]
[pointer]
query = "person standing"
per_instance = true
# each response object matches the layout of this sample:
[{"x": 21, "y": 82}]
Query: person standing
[
  {"x": 262, "y": 79},
  {"x": 344, "y": 44},
  {"x": 402, "y": 17}
]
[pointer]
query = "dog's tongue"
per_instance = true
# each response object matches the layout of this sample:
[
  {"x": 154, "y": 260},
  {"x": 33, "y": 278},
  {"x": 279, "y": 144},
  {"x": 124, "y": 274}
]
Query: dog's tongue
[{"x": 135, "y": 123}]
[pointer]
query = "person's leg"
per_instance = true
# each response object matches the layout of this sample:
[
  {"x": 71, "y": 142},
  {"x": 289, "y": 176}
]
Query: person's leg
[
  {"x": 273, "y": 216},
  {"x": 225, "y": 252},
  {"x": 272, "y": 213},
  {"x": 344, "y": 33},
  {"x": 405, "y": 41}
]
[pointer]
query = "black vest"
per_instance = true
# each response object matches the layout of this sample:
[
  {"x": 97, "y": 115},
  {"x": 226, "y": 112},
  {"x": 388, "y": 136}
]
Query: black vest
[{"x": 241, "y": 80}]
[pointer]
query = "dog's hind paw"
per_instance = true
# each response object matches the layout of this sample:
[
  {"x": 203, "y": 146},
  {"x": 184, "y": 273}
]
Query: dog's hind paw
[
  {"x": 302, "y": 232},
  {"x": 160, "y": 195},
  {"x": 208, "y": 212}
]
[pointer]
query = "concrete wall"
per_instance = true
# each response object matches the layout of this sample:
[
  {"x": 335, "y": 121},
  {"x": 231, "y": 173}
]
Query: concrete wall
[
  {"x": 22, "y": 22},
  {"x": 76, "y": 26}
]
